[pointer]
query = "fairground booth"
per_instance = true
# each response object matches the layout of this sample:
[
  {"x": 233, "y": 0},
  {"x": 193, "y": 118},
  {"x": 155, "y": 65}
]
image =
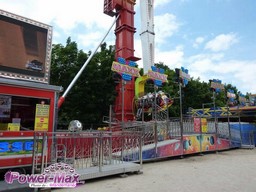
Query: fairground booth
[{"x": 27, "y": 102}]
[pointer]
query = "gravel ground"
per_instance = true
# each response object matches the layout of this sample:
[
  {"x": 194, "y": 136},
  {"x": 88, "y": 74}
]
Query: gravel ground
[{"x": 226, "y": 171}]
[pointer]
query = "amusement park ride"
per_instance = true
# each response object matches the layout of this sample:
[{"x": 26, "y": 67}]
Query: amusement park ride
[
  {"x": 27, "y": 99},
  {"x": 127, "y": 103},
  {"x": 134, "y": 89},
  {"x": 125, "y": 49},
  {"x": 28, "y": 104}
]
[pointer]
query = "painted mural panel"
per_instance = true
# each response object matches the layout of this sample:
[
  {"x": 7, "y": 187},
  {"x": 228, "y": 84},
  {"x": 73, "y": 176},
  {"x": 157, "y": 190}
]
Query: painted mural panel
[{"x": 191, "y": 144}]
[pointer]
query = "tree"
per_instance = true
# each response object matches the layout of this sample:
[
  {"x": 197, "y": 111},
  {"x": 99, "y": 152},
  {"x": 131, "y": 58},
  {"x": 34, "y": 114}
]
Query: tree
[
  {"x": 93, "y": 93},
  {"x": 196, "y": 93},
  {"x": 90, "y": 97}
]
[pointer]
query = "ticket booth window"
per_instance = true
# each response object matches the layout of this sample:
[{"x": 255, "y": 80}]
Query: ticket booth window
[{"x": 19, "y": 110}]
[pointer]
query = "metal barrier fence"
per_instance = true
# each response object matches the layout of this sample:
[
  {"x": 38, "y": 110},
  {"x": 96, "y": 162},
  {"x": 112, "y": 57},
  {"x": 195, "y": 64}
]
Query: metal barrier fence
[
  {"x": 138, "y": 141},
  {"x": 162, "y": 138},
  {"x": 248, "y": 139},
  {"x": 83, "y": 150}
]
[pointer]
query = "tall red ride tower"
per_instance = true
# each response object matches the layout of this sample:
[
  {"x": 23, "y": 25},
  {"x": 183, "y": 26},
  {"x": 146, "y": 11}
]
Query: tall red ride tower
[{"x": 124, "y": 48}]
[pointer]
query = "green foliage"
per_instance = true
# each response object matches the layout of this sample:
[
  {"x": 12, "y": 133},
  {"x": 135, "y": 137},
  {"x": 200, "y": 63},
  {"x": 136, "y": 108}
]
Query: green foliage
[
  {"x": 194, "y": 95},
  {"x": 93, "y": 93},
  {"x": 90, "y": 97}
]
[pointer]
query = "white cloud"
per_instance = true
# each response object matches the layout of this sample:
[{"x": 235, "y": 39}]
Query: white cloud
[
  {"x": 213, "y": 66},
  {"x": 161, "y": 2},
  {"x": 80, "y": 17},
  {"x": 198, "y": 41},
  {"x": 200, "y": 57},
  {"x": 86, "y": 23},
  {"x": 63, "y": 14},
  {"x": 56, "y": 35},
  {"x": 165, "y": 26},
  {"x": 172, "y": 58},
  {"x": 138, "y": 52},
  {"x": 89, "y": 39},
  {"x": 222, "y": 42}
]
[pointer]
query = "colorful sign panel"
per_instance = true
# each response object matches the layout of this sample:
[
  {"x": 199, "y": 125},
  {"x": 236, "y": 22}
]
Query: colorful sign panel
[
  {"x": 204, "y": 125},
  {"x": 183, "y": 75},
  {"x": 252, "y": 100},
  {"x": 200, "y": 124},
  {"x": 231, "y": 96},
  {"x": 42, "y": 117},
  {"x": 197, "y": 125},
  {"x": 18, "y": 147},
  {"x": 216, "y": 85},
  {"x": 120, "y": 68},
  {"x": 242, "y": 99},
  {"x": 126, "y": 68},
  {"x": 157, "y": 74}
]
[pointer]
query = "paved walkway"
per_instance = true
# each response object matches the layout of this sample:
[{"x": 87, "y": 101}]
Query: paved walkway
[{"x": 226, "y": 171}]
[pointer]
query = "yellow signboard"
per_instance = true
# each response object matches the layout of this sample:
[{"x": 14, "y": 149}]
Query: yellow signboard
[
  {"x": 204, "y": 125},
  {"x": 121, "y": 68},
  {"x": 157, "y": 76},
  {"x": 42, "y": 117},
  {"x": 13, "y": 126}
]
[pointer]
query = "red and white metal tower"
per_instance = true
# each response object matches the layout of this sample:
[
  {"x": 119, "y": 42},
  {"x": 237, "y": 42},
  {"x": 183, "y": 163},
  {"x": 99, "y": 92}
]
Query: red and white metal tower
[{"x": 124, "y": 48}]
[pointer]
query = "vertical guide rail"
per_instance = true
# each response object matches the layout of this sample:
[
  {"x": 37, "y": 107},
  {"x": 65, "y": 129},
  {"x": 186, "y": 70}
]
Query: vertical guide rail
[
  {"x": 123, "y": 89},
  {"x": 75, "y": 140},
  {"x": 122, "y": 145},
  {"x": 154, "y": 112},
  {"x": 251, "y": 139},
  {"x": 101, "y": 155},
  {"x": 110, "y": 117},
  {"x": 34, "y": 155},
  {"x": 229, "y": 129},
  {"x": 141, "y": 137},
  {"x": 240, "y": 128},
  {"x": 168, "y": 123},
  {"x": 155, "y": 138},
  {"x": 110, "y": 147},
  {"x": 181, "y": 120},
  {"x": 44, "y": 152},
  {"x": 62, "y": 98},
  {"x": 201, "y": 136},
  {"x": 215, "y": 121}
]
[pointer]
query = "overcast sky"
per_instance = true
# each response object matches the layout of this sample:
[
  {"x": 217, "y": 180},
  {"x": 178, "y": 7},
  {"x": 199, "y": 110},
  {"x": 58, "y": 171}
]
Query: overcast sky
[{"x": 213, "y": 39}]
